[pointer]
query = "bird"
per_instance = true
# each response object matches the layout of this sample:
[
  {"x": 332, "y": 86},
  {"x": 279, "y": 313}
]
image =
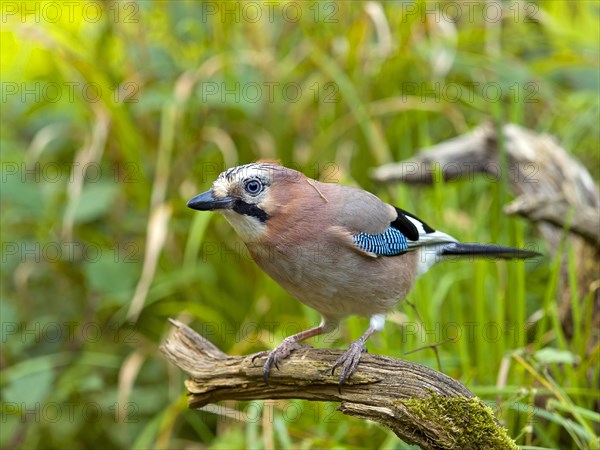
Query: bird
[{"x": 338, "y": 249}]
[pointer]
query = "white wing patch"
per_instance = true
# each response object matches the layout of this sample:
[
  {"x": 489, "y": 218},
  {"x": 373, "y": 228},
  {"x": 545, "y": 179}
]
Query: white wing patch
[
  {"x": 436, "y": 237},
  {"x": 429, "y": 246}
]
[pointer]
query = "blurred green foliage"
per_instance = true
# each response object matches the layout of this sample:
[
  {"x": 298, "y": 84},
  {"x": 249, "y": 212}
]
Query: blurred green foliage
[{"x": 114, "y": 114}]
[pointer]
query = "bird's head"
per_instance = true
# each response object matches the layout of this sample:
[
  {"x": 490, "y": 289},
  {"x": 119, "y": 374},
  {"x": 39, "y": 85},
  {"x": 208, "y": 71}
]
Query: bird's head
[{"x": 248, "y": 196}]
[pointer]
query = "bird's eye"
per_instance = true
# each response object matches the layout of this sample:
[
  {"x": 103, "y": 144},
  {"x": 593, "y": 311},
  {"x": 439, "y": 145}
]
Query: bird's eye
[{"x": 253, "y": 187}]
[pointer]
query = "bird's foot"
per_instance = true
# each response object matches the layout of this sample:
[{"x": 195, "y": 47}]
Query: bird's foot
[
  {"x": 280, "y": 352},
  {"x": 349, "y": 360}
]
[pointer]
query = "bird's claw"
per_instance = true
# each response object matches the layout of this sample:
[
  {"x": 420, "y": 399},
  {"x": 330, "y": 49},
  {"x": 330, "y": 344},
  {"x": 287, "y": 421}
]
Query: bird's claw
[
  {"x": 274, "y": 357},
  {"x": 349, "y": 360},
  {"x": 260, "y": 355}
]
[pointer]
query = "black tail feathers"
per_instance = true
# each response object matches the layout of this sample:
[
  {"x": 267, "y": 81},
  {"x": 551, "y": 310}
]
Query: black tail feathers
[{"x": 483, "y": 251}]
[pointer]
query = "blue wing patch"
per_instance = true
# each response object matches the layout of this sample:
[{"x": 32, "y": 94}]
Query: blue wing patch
[{"x": 389, "y": 243}]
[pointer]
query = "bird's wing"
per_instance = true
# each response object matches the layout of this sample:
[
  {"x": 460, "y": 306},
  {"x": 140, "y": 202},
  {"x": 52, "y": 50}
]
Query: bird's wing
[
  {"x": 426, "y": 234},
  {"x": 405, "y": 233},
  {"x": 375, "y": 228},
  {"x": 358, "y": 210}
]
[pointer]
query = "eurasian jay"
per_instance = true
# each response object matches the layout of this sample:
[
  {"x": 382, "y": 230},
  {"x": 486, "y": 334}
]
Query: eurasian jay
[{"x": 338, "y": 249}]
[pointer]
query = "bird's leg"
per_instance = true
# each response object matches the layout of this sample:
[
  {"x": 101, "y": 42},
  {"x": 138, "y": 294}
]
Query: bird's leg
[
  {"x": 287, "y": 346},
  {"x": 349, "y": 360}
]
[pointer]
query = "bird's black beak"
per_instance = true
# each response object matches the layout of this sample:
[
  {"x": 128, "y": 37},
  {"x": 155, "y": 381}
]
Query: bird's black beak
[{"x": 207, "y": 202}]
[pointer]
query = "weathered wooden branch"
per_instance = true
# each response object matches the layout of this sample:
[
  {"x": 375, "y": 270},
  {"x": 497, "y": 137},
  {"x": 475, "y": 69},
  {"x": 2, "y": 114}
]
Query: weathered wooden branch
[
  {"x": 579, "y": 219},
  {"x": 422, "y": 406}
]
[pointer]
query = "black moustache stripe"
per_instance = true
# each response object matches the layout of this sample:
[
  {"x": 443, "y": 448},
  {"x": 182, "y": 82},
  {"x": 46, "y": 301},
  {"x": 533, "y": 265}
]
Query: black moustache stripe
[{"x": 241, "y": 207}]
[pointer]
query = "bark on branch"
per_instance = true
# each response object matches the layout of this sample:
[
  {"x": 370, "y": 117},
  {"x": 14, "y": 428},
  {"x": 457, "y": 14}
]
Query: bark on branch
[{"x": 422, "y": 406}]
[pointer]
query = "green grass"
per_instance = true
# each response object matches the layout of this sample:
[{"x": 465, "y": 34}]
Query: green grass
[{"x": 81, "y": 370}]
